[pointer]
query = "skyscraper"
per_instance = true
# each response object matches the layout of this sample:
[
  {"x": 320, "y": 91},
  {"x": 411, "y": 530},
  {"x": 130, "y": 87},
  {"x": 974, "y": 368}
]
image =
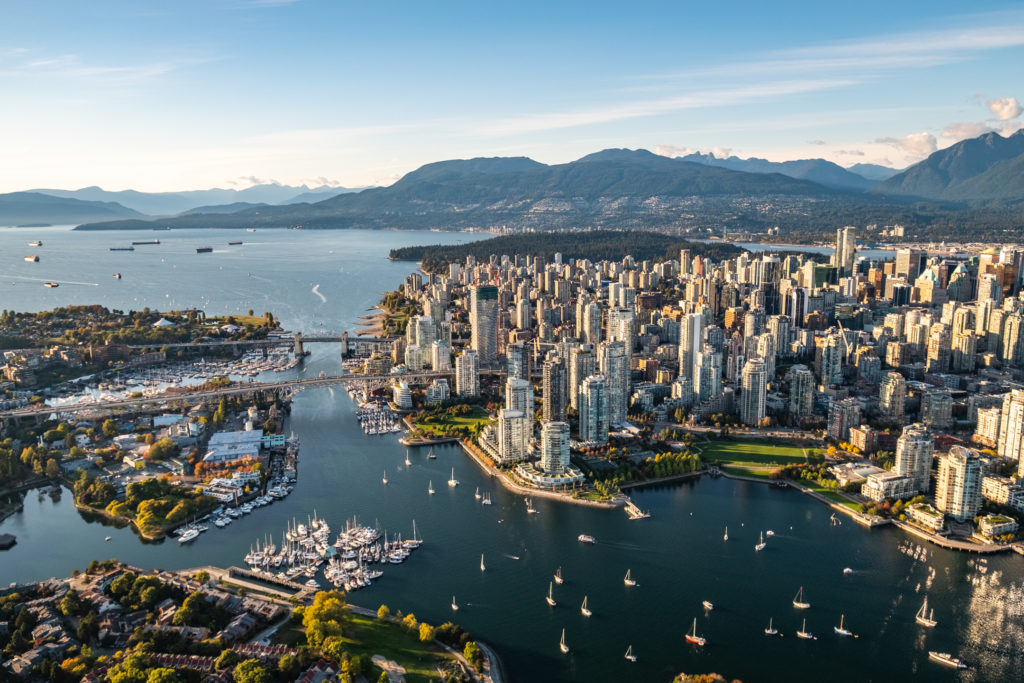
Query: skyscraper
[
  {"x": 846, "y": 250},
  {"x": 519, "y": 396},
  {"x": 554, "y": 387},
  {"x": 519, "y": 359},
  {"x": 752, "y": 401},
  {"x": 939, "y": 349},
  {"x": 594, "y": 409},
  {"x": 582, "y": 364},
  {"x": 620, "y": 326},
  {"x": 513, "y": 435},
  {"x": 467, "y": 374},
  {"x": 614, "y": 365},
  {"x": 958, "y": 484},
  {"x": 592, "y": 323},
  {"x": 937, "y": 408},
  {"x": 844, "y": 415},
  {"x": 801, "y": 391},
  {"x": 483, "y": 321},
  {"x": 691, "y": 332},
  {"x": 708, "y": 380},
  {"x": 915, "y": 450},
  {"x": 892, "y": 396},
  {"x": 1011, "y": 428},
  {"x": 554, "y": 447}
]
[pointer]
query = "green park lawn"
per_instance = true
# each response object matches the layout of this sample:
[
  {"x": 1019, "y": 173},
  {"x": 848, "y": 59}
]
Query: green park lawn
[
  {"x": 368, "y": 636},
  {"x": 439, "y": 425},
  {"x": 834, "y": 496},
  {"x": 752, "y": 453}
]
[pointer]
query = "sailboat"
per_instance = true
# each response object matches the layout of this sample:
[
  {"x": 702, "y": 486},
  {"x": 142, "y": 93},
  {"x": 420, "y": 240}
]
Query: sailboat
[
  {"x": 840, "y": 629},
  {"x": 455, "y": 607},
  {"x": 529, "y": 507},
  {"x": 551, "y": 598},
  {"x": 771, "y": 631},
  {"x": 453, "y": 482},
  {"x": 561, "y": 644},
  {"x": 924, "y": 616},
  {"x": 798, "y": 601},
  {"x": 692, "y": 637},
  {"x": 629, "y": 581},
  {"x": 558, "y": 576},
  {"x": 430, "y": 455},
  {"x": 629, "y": 654},
  {"x": 408, "y": 462},
  {"x": 584, "y": 610},
  {"x": 385, "y": 480},
  {"x": 482, "y": 568},
  {"x": 760, "y": 546},
  {"x": 486, "y": 500},
  {"x": 430, "y": 488},
  {"x": 804, "y": 633},
  {"x": 726, "y": 536}
]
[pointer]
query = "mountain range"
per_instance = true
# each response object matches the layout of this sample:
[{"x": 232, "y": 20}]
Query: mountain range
[
  {"x": 816, "y": 170},
  {"x": 17, "y": 208}
]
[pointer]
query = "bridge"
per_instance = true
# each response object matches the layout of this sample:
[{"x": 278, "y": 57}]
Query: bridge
[{"x": 297, "y": 341}]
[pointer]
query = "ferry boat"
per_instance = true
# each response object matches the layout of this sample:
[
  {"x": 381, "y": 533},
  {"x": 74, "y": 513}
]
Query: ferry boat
[
  {"x": 51, "y": 284},
  {"x": 947, "y": 659},
  {"x": 586, "y": 538},
  {"x": 561, "y": 644},
  {"x": 924, "y": 616},
  {"x": 32, "y": 259},
  {"x": 629, "y": 580},
  {"x": 35, "y": 243},
  {"x": 550, "y": 599},
  {"x": 841, "y": 630},
  {"x": 804, "y": 633},
  {"x": 204, "y": 250},
  {"x": 771, "y": 630},
  {"x": 693, "y": 638},
  {"x": 584, "y": 610},
  {"x": 799, "y": 601},
  {"x": 629, "y": 654}
]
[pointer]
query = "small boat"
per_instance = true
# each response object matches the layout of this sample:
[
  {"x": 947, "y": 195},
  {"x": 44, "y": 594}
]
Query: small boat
[
  {"x": 430, "y": 488},
  {"x": 841, "y": 630},
  {"x": 561, "y": 644},
  {"x": 769, "y": 533},
  {"x": 799, "y": 601},
  {"x": 51, "y": 284},
  {"x": 692, "y": 637},
  {"x": 771, "y": 630},
  {"x": 947, "y": 659},
  {"x": 204, "y": 250},
  {"x": 529, "y": 507},
  {"x": 558, "y": 576},
  {"x": 189, "y": 535},
  {"x": 804, "y": 633},
  {"x": 408, "y": 463},
  {"x": 250, "y": 229},
  {"x": 486, "y": 500},
  {"x": 32, "y": 259},
  {"x": 108, "y": 538},
  {"x": 477, "y": 494},
  {"x": 550, "y": 599},
  {"x": 385, "y": 479},
  {"x": 455, "y": 606},
  {"x": 117, "y": 276},
  {"x": 629, "y": 654},
  {"x": 453, "y": 482},
  {"x": 708, "y": 605},
  {"x": 629, "y": 581},
  {"x": 430, "y": 455},
  {"x": 847, "y": 570},
  {"x": 760, "y": 546},
  {"x": 584, "y": 610},
  {"x": 35, "y": 243},
  {"x": 726, "y": 536},
  {"x": 924, "y": 616},
  {"x": 482, "y": 568},
  {"x": 586, "y": 538}
]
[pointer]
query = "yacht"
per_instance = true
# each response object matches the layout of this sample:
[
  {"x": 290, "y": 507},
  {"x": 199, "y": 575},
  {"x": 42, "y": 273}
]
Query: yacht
[
  {"x": 482, "y": 568},
  {"x": 35, "y": 243},
  {"x": 32, "y": 259},
  {"x": 692, "y": 637},
  {"x": 799, "y": 602},
  {"x": 550, "y": 599},
  {"x": 430, "y": 488},
  {"x": 708, "y": 605},
  {"x": 51, "y": 284},
  {"x": 561, "y": 644},
  {"x": 629, "y": 654},
  {"x": 455, "y": 607},
  {"x": 586, "y": 538},
  {"x": 629, "y": 581},
  {"x": 841, "y": 630},
  {"x": 947, "y": 659},
  {"x": 558, "y": 576},
  {"x": 804, "y": 633},
  {"x": 760, "y": 546},
  {"x": 847, "y": 570},
  {"x": 108, "y": 538},
  {"x": 190, "y": 534},
  {"x": 771, "y": 630},
  {"x": 453, "y": 482},
  {"x": 924, "y": 616},
  {"x": 769, "y": 533}
]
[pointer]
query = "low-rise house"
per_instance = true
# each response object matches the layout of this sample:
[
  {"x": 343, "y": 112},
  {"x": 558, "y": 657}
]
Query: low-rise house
[{"x": 927, "y": 516}]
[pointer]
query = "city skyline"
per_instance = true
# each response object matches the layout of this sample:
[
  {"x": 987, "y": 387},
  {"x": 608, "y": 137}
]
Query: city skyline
[{"x": 231, "y": 93}]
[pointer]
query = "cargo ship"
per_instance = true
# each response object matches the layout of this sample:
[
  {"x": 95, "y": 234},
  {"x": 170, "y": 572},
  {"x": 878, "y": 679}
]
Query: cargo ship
[
  {"x": 122, "y": 248},
  {"x": 147, "y": 242},
  {"x": 204, "y": 250}
]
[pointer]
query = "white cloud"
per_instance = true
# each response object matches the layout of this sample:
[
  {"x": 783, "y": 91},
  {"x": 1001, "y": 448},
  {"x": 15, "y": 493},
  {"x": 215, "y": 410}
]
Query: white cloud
[
  {"x": 964, "y": 130},
  {"x": 672, "y": 150},
  {"x": 818, "y": 143},
  {"x": 851, "y": 152},
  {"x": 1005, "y": 108},
  {"x": 915, "y": 144}
]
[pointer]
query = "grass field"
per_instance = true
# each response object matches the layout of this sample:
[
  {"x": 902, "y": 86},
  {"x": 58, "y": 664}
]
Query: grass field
[
  {"x": 834, "y": 496},
  {"x": 438, "y": 428},
  {"x": 368, "y": 636},
  {"x": 755, "y": 473},
  {"x": 751, "y": 453}
]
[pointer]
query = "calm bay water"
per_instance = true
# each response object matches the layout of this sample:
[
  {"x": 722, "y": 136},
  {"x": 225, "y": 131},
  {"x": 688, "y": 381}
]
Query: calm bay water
[{"x": 678, "y": 556}]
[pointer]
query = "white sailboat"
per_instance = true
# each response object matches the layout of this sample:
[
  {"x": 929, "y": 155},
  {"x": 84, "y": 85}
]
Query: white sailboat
[
  {"x": 430, "y": 488},
  {"x": 558, "y": 576},
  {"x": 430, "y": 455},
  {"x": 629, "y": 581},
  {"x": 771, "y": 630},
  {"x": 841, "y": 630},
  {"x": 760, "y": 546},
  {"x": 455, "y": 606},
  {"x": 550, "y": 599},
  {"x": 692, "y": 637},
  {"x": 408, "y": 463},
  {"x": 482, "y": 568},
  {"x": 477, "y": 494},
  {"x": 385, "y": 480},
  {"x": 726, "y": 536},
  {"x": 924, "y": 616},
  {"x": 629, "y": 654},
  {"x": 799, "y": 601},
  {"x": 453, "y": 482},
  {"x": 804, "y": 633},
  {"x": 486, "y": 500},
  {"x": 529, "y": 507},
  {"x": 584, "y": 610},
  {"x": 561, "y": 644}
]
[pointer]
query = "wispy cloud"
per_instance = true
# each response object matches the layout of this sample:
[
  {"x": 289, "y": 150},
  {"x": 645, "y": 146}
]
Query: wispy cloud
[
  {"x": 630, "y": 110},
  {"x": 71, "y": 66}
]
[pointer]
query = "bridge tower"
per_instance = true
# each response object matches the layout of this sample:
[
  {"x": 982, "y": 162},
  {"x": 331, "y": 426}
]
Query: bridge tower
[
  {"x": 298, "y": 349},
  {"x": 344, "y": 343}
]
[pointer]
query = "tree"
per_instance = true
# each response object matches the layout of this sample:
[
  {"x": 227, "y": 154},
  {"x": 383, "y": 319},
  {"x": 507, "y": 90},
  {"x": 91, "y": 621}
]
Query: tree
[
  {"x": 202, "y": 576},
  {"x": 333, "y": 648},
  {"x": 52, "y": 469},
  {"x": 426, "y": 633},
  {"x": 163, "y": 675},
  {"x": 251, "y": 671},
  {"x": 288, "y": 666},
  {"x": 409, "y": 622},
  {"x": 226, "y": 659},
  {"x": 383, "y": 612},
  {"x": 473, "y": 654},
  {"x": 324, "y": 617},
  {"x": 109, "y": 428}
]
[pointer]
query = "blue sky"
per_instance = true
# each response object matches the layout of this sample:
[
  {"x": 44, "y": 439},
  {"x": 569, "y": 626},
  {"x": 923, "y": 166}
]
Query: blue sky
[{"x": 223, "y": 93}]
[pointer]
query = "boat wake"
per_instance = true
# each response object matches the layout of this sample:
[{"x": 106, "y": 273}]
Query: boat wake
[{"x": 316, "y": 290}]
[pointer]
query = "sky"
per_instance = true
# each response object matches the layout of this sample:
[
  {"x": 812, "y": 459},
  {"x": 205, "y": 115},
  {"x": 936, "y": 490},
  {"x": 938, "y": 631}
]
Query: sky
[{"x": 164, "y": 96}]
